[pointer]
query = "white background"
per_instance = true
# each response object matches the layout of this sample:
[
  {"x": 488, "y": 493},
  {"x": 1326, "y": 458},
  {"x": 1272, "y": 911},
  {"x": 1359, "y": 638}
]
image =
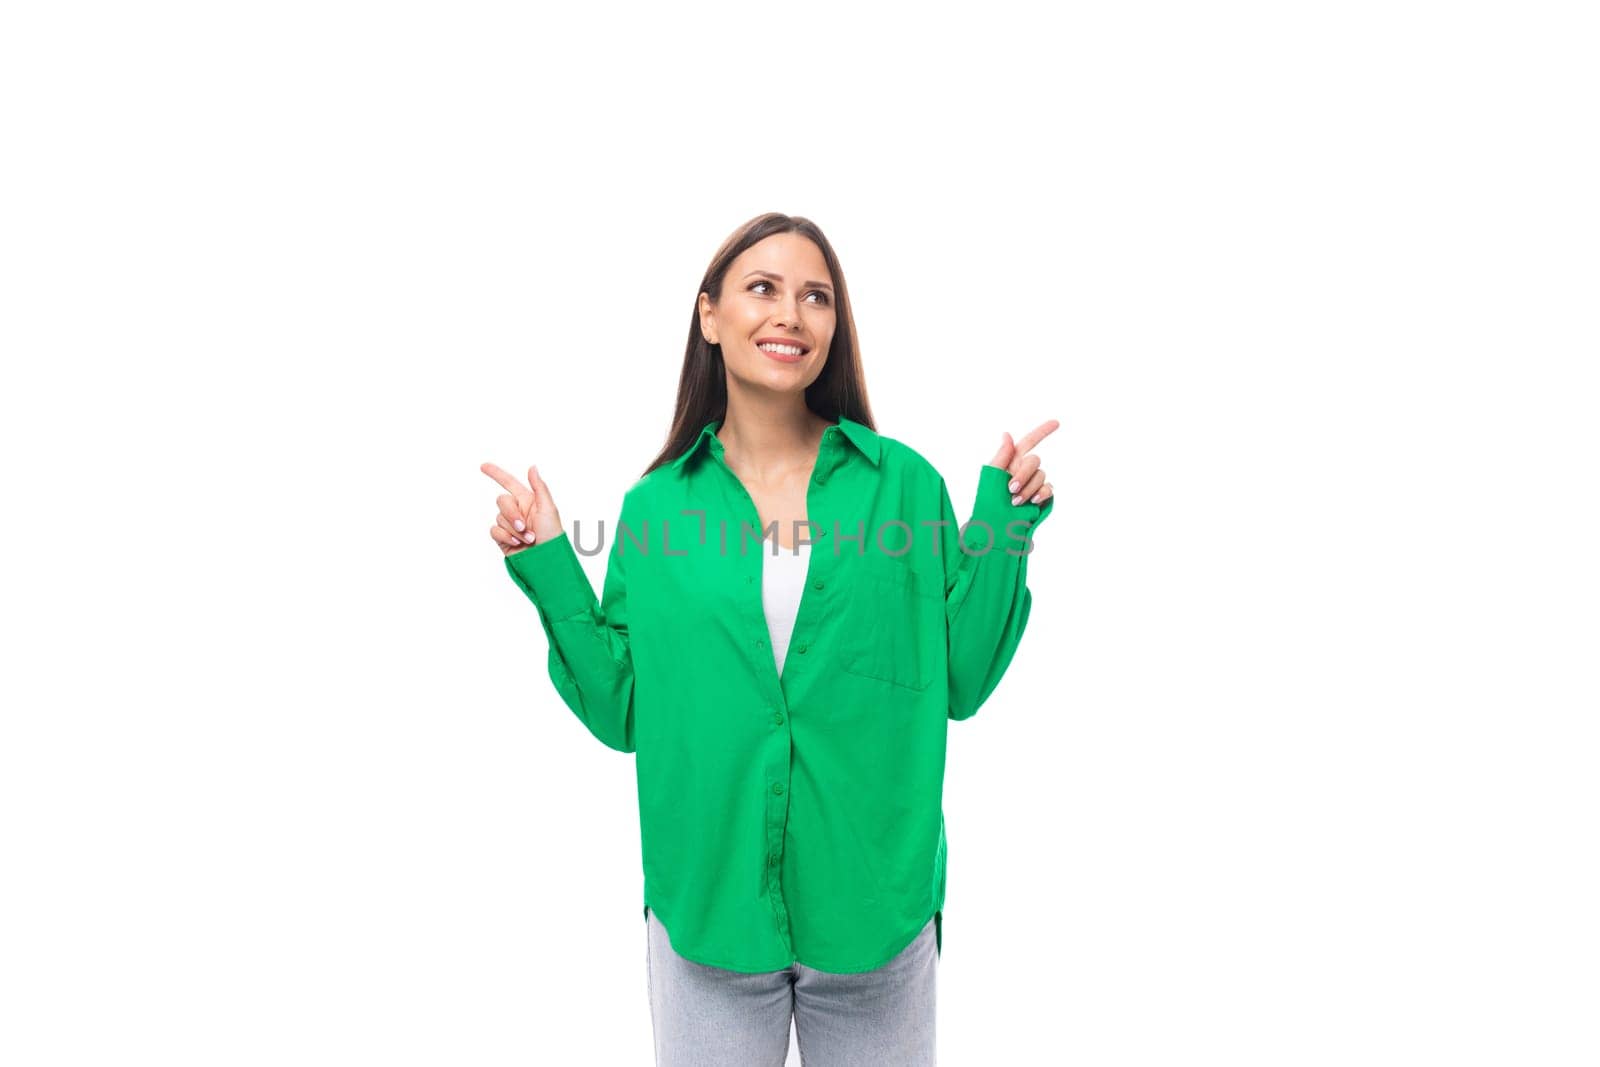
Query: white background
[{"x": 1297, "y": 761}]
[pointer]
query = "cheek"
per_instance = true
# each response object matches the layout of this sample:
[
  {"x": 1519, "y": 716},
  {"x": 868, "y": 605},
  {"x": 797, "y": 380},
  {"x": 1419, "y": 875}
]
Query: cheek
[{"x": 822, "y": 329}]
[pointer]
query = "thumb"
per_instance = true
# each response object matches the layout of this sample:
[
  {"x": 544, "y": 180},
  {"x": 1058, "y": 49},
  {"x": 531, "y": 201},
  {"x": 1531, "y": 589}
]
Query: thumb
[
  {"x": 541, "y": 492},
  {"x": 1008, "y": 449}
]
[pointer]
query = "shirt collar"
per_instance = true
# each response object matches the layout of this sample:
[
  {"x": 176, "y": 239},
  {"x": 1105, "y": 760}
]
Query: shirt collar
[{"x": 863, "y": 437}]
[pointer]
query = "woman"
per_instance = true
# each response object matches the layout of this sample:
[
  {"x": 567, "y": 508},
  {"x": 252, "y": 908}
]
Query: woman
[{"x": 786, "y": 693}]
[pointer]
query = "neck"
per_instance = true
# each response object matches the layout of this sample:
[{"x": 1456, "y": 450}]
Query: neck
[{"x": 770, "y": 436}]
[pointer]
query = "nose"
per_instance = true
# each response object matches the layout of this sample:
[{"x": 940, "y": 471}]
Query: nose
[{"x": 789, "y": 315}]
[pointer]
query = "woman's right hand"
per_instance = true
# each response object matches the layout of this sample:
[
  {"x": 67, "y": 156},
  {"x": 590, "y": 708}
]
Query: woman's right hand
[{"x": 527, "y": 513}]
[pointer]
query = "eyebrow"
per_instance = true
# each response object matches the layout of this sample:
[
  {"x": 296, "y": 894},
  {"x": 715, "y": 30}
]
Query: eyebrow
[{"x": 779, "y": 278}]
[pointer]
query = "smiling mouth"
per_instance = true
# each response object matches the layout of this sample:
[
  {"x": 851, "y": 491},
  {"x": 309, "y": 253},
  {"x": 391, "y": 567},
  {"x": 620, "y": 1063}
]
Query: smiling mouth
[{"x": 784, "y": 352}]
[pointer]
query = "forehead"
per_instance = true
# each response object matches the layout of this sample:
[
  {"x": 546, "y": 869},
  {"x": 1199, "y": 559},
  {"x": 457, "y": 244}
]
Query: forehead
[{"x": 789, "y": 254}]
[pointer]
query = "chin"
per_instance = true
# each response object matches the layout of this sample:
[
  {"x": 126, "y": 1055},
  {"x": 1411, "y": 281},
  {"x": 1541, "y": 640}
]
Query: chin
[{"x": 779, "y": 383}]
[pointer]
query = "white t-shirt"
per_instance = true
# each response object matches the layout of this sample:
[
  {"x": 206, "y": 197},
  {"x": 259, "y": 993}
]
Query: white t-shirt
[{"x": 783, "y": 580}]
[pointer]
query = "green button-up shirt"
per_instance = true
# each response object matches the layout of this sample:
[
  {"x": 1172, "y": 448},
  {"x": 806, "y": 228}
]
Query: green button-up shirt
[{"x": 792, "y": 817}]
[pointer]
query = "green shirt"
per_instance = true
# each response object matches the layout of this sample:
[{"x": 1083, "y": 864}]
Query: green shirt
[{"x": 796, "y": 817}]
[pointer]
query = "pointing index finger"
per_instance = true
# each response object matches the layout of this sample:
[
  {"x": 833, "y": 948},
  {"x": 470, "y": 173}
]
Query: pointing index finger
[
  {"x": 507, "y": 481},
  {"x": 1037, "y": 434}
]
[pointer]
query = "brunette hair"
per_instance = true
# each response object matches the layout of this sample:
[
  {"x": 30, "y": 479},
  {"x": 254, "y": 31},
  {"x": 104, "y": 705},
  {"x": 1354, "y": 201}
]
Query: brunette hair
[{"x": 702, "y": 384}]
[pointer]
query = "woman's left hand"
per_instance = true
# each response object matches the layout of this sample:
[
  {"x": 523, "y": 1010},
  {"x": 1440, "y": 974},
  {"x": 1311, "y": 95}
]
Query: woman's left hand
[{"x": 1017, "y": 459}]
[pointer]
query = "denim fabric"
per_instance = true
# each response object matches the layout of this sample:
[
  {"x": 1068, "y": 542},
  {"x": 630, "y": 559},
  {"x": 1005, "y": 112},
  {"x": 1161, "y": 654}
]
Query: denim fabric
[{"x": 710, "y": 1017}]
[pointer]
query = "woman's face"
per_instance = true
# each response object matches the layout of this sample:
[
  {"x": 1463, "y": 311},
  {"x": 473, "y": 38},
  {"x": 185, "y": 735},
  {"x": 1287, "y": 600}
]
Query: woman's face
[{"x": 777, "y": 290}]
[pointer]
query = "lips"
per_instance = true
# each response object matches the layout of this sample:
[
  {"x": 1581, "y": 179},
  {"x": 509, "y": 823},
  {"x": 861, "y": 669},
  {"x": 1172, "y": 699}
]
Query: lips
[
  {"x": 782, "y": 348},
  {"x": 790, "y": 353},
  {"x": 791, "y": 342}
]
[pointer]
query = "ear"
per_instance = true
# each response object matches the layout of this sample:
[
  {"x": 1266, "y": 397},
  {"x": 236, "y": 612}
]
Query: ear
[{"x": 708, "y": 325}]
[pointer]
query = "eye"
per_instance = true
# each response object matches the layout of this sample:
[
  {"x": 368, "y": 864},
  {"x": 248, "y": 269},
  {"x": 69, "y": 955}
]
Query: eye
[{"x": 823, "y": 297}]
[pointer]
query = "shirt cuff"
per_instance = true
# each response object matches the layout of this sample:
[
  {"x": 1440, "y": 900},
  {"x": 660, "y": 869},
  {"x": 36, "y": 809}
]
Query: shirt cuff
[
  {"x": 994, "y": 507},
  {"x": 550, "y": 574}
]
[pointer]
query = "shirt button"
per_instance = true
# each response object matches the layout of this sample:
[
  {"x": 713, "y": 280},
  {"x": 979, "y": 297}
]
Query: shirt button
[
  {"x": 774, "y": 860},
  {"x": 777, "y": 787},
  {"x": 816, "y": 585},
  {"x": 778, "y": 718},
  {"x": 759, "y": 642},
  {"x": 801, "y": 650},
  {"x": 748, "y": 580}
]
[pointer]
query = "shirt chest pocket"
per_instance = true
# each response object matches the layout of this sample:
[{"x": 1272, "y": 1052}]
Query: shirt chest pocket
[{"x": 896, "y": 623}]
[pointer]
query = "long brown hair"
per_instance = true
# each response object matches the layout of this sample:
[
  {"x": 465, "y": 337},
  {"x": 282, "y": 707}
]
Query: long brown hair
[{"x": 702, "y": 385}]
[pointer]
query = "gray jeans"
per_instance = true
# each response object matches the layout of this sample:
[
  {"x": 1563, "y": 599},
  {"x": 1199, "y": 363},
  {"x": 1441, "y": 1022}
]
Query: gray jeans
[{"x": 710, "y": 1017}]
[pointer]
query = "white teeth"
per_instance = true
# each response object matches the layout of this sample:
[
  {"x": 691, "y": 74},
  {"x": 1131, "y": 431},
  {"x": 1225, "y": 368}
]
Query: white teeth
[{"x": 786, "y": 350}]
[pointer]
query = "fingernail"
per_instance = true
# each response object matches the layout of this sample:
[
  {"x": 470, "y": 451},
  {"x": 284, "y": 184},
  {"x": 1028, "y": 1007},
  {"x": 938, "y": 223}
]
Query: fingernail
[
  {"x": 1015, "y": 499},
  {"x": 519, "y": 525},
  {"x": 528, "y": 537},
  {"x": 1014, "y": 486},
  {"x": 1036, "y": 497}
]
